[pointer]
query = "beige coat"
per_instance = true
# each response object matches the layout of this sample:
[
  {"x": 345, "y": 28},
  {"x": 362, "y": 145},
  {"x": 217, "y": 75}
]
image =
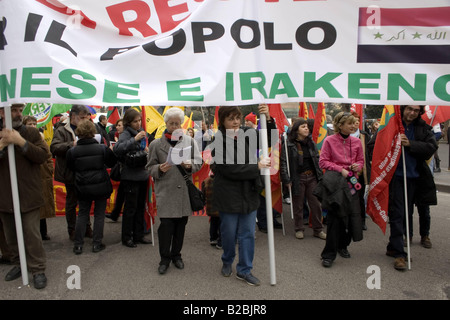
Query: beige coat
[{"x": 172, "y": 199}]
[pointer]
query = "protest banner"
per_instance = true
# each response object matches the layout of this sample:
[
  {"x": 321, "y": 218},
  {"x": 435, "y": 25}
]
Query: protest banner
[{"x": 224, "y": 52}]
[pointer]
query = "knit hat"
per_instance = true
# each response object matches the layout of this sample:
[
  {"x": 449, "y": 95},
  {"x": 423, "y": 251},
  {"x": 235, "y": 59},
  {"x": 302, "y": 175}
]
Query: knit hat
[{"x": 251, "y": 117}]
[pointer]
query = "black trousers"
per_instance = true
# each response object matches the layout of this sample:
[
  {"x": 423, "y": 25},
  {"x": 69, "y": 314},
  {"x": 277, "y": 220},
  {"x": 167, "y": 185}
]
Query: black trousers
[
  {"x": 71, "y": 207},
  {"x": 397, "y": 212},
  {"x": 83, "y": 218},
  {"x": 134, "y": 208},
  {"x": 171, "y": 237}
]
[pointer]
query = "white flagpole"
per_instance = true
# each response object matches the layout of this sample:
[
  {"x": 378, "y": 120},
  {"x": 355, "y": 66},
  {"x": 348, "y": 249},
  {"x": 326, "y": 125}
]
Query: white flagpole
[
  {"x": 268, "y": 190},
  {"x": 16, "y": 201},
  {"x": 289, "y": 174},
  {"x": 406, "y": 209}
]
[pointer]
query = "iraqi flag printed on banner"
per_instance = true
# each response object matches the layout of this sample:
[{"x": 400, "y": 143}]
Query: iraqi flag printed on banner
[{"x": 410, "y": 35}]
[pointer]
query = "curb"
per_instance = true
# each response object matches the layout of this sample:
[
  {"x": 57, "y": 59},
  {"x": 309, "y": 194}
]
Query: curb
[{"x": 443, "y": 188}]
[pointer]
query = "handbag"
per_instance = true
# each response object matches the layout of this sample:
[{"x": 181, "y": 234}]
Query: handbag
[
  {"x": 135, "y": 159},
  {"x": 196, "y": 196},
  {"x": 115, "y": 172}
]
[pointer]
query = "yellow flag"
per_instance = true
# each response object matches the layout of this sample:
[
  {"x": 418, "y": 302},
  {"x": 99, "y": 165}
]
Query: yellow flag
[
  {"x": 48, "y": 133},
  {"x": 160, "y": 131},
  {"x": 153, "y": 119},
  {"x": 187, "y": 122}
]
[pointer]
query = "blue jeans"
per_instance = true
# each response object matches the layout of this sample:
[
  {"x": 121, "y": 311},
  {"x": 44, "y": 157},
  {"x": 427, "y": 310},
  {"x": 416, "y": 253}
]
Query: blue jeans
[{"x": 238, "y": 227}]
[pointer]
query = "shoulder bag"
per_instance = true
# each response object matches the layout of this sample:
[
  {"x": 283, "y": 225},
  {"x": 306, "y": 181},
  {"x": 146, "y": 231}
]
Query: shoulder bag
[{"x": 196, "y": 196}]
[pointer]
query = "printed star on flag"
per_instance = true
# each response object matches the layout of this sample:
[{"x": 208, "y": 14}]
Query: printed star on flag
[
  {"x": 417, "y": 35},
  {"x": 378, "y": 35}
]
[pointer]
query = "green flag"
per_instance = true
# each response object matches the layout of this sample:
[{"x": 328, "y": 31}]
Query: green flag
[{"x": 44, "y": 112}]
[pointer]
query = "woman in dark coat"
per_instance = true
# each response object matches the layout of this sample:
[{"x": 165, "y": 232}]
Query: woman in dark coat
[
  {"x": 88, "y": 160},
  {"x": 131, "y": 149},
  {"x": 237, "y": 185},
  {"x": 303, "y": 162}
]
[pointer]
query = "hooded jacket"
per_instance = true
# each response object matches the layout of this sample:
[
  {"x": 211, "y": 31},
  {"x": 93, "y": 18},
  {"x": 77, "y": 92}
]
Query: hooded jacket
[{"x": 88, "y": 160}]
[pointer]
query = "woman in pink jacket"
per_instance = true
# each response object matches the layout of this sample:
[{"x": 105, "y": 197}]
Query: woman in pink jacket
[{"x": 344, "y": 154}]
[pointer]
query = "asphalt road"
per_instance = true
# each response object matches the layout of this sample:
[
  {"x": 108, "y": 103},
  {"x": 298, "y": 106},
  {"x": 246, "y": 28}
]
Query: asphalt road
[{"x": 121, "y": 273}]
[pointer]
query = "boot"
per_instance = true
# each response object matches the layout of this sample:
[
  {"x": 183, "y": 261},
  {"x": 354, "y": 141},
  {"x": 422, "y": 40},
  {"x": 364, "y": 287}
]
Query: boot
[{"x": 438, "y": 165}]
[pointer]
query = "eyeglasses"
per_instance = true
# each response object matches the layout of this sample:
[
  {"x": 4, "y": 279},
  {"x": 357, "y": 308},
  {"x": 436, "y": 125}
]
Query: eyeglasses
[{"x": 409, "y": 109}]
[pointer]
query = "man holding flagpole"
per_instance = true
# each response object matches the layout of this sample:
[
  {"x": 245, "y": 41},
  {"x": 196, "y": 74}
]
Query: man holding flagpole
[
  {"x": 419, "y": 144},
  {"x": 30, "y": 152}
]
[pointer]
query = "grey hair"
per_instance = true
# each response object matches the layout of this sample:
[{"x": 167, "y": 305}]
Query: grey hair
[
  {"x": 174, "y": 112},
  {"x": 78, "y": 109}
]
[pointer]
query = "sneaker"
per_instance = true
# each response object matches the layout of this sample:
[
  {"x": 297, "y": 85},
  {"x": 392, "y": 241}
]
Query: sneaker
[
  {"x": 77, "y": 249},
  {"x": 40, "y": 281},
  {"x": 400, "y": 264},
  {"x": 226, "y": 270},
  {"x": 98, "y": 247},
  {"x": 287, "y": 200},
  {"x": 425, "y": 242},
  {"x": 321, "y": 235},
  {"x": 249, "y": 278},
  {"x": 299, "y": 235},
  {"x": 327, "y": 263},
  {"x": 344, "y": 253}
]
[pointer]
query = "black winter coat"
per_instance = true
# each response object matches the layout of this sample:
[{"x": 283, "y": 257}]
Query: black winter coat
[
  {"x": 422, "y": 148},
  {"x": 237, "y": 185},
  {"x": 88, "y": 160},
  {"x": 334, "y": 195}
]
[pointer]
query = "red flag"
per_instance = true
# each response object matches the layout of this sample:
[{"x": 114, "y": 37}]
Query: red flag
[
  {"x": 303, "y": 110},
  {"x": 359, "y": 109},
  {"x": 386, "y": 155},
  {"x": 277, "y": 113},
  {"x": 311, "y": 112},
  {"x": 319, "y": 121},
  {"x": 112, "y": 115},
  {"x": 436, "y": 114},
  {"x": 150, "y": 204}
]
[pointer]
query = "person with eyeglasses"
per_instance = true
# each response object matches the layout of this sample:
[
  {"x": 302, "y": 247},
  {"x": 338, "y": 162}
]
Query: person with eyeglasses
[{"x": 419, "y": 144}]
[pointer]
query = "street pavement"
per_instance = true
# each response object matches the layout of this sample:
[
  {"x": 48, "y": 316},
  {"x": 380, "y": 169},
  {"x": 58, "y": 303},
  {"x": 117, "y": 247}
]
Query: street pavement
[{"x": 122, "y": 273}]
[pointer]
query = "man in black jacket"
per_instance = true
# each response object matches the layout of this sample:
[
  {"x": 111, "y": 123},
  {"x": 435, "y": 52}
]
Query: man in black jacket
[
  {"x": 419, "y": 145},
  {"x": 101, "y": 129}
]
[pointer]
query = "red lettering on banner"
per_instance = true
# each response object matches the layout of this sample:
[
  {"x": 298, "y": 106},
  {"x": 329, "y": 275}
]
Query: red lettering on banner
[
  {"x": 142, "y": 10},
  {"x": 164, "y": 12},
  {"x": 85, "y": 21}
]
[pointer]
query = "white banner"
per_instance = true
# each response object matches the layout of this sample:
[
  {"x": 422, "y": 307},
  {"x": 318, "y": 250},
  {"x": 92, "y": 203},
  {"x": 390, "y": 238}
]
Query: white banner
[{"x": 224, "y": 52}]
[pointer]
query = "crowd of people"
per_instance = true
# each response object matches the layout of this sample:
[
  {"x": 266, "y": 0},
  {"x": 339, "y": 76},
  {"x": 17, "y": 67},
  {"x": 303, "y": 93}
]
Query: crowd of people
[{"x": 319, "y": 183}]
